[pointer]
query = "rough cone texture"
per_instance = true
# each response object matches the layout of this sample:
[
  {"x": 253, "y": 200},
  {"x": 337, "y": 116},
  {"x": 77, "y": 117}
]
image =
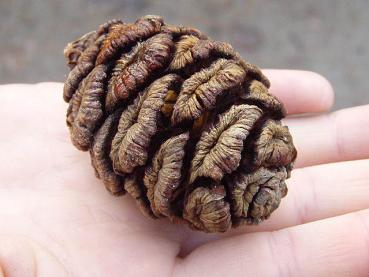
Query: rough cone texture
[{"x": 180, "y": 122}]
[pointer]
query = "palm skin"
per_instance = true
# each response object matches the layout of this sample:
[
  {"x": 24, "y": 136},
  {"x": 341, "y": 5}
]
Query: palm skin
[{"x": 57, "y": 219}]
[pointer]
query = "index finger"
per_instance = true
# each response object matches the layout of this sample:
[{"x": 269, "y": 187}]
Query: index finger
[{"x": 301, "y": 91}]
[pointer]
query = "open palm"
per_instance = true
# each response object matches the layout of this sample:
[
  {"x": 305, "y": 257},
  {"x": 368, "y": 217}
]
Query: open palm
[{"x": 57, "y": 219}]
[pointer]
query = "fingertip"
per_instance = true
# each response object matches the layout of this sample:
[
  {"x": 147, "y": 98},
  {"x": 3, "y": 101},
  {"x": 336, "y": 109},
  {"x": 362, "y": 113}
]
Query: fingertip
[
  {"x": 323, "y": 87},
  {"x": 301, "y": 91}
]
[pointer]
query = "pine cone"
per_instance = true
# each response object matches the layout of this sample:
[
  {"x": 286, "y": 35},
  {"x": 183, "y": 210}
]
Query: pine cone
[{"x": 180, "y": 122}]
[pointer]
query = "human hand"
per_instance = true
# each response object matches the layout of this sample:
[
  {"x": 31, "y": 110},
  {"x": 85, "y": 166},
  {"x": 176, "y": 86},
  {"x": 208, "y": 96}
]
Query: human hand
[{"x": 57, "y": 219}]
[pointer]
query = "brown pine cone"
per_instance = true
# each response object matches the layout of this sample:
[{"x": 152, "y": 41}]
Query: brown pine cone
[{"x": 180, "y": 122}]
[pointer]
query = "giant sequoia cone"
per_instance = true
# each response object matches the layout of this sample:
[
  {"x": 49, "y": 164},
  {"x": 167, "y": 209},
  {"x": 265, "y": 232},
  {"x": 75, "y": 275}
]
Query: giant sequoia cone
[{"x": 180, "y": 122}]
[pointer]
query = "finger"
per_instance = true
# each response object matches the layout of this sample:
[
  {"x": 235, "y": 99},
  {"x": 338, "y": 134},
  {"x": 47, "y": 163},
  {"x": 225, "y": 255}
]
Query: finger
[
  {"x": 314, "y": 193},
  {"x": 338, "y": 136},
  {"x": 301, "y": 91},
  {"x": 319, "y": 192},
  {"x": 334, "y": 247}
]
